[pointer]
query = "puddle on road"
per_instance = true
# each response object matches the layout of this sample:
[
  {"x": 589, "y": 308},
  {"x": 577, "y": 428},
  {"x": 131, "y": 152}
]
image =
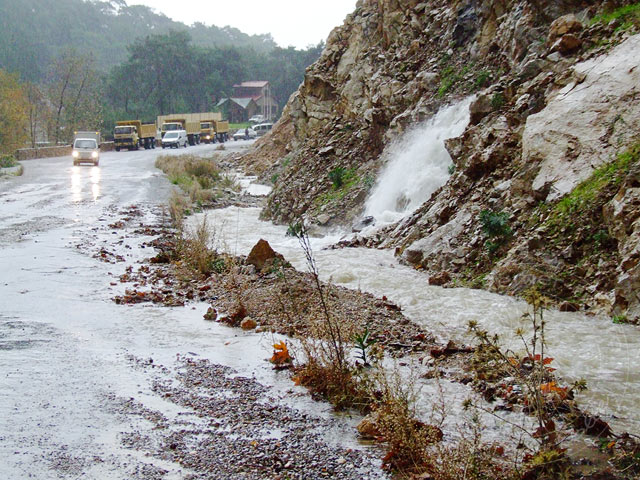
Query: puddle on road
[{"x": 17, "y": 232}]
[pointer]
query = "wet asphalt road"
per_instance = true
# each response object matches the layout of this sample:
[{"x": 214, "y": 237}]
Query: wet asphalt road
[
  {"x": 59, "y": 357},
  {"x": 69, "y": 356}
]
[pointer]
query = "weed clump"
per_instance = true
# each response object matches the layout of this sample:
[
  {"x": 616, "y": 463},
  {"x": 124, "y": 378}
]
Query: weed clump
[
  {"x": 7, "y": 161},
  {"x": 584, "y": 197},
  {"x": 497, "y": 100},
  {"x": 495, "y": 226},
  {"x": 178, "y": 208},
  {"x": 337, "y": 177},
  {"x": 194, "y": 249},
  {"x": 628, "y": 17},
  {"x": 199, "y": 177},
  {"x": 482, "y": 79}
]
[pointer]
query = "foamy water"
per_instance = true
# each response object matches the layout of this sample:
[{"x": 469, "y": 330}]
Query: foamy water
[{"x": 417, "y": 165}]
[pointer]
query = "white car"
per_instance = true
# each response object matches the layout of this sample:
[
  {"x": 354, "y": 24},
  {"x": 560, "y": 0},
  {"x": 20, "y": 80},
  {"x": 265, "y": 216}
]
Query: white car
[
  {"x": 85, "y": 150},
  {"x": 245, "y": 134},
  {"x": 262, "y": 128},
  {"x": 257, "y": 119},
  {"x": 175, "y": 139}
]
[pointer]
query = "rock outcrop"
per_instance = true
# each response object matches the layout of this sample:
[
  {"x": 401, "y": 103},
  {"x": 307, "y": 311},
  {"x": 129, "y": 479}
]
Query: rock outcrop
[{"x": 557, "y": 107}]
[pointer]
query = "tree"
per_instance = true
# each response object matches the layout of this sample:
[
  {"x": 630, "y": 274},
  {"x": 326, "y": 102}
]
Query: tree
[
  {"x": 74, "y": 92},
  {"x": 13, "y": 113},
  {"x": 38, "y": 112},
  {"x": 159, "y": 66}
]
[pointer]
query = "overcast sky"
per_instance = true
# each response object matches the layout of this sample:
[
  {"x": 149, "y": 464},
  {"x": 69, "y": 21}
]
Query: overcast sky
[{"x": 291, "y": 22}]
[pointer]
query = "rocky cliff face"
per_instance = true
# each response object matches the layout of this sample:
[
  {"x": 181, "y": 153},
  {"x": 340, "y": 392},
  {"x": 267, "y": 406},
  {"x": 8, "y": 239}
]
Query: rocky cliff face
[{"x": 545, "y": 188}]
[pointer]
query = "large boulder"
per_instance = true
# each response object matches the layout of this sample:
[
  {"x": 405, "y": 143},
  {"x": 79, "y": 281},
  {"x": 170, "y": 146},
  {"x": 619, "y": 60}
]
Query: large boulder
[
  {"x": 440, "y": 243},
  {"x": 263, "y": 257},
  {"x": 566, "y": 44},
  {"x": 567, "y": 24}
]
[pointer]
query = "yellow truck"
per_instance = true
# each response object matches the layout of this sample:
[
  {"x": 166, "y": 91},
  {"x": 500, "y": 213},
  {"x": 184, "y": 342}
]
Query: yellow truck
[
  {"x": 212, "y": 131},
  {"x": 191, "y": 128},
  {"x": 133, "y": 134}
]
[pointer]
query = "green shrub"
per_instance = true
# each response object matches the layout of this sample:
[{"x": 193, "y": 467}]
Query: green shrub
[
  {"x": 449, "y": 77},
  {"x": 482, "y": 79},
  {"x": 497, "y": 100},
  {"x": 495, "y": 224},
  {"x": 337, "y": 177},
  {"x": 620, "y": 319},
  {"x": 219, "y": 265},
  {"x": 7, "y": 161}
]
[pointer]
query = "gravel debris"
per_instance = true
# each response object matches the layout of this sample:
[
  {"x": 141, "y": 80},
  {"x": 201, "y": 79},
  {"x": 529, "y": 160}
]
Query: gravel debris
[{"x": 232, "y": 429}]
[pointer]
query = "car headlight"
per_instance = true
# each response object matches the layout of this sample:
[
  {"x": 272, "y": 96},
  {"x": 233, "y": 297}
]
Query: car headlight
[
  {"x": 208, "y": 137},
  {"x": 94, "y": 154},
  {"x": 74, "y": 154}
]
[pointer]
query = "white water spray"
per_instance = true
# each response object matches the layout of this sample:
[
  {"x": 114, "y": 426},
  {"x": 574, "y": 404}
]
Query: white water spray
[{"x": 417, "y": 165}]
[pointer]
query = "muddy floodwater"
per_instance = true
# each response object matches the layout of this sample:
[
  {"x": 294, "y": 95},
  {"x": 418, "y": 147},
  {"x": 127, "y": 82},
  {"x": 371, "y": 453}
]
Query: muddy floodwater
[{"x": 586, "y": 347}]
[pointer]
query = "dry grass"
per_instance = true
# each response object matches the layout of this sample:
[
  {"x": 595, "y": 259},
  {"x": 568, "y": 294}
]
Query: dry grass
[
  {"x": 407, "y": 437},
  {"x": 179, "y": 166},
  {"x": 199, "y": 177},
  {"x": 196, "y": 250},
  {"x": 469, "y": 460},
  {"x": 178, "y": 207},
  {"x": 329, "y": 371}
]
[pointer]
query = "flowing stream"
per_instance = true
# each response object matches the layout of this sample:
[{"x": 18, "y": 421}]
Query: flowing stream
[{"x": 606, "y": 355}]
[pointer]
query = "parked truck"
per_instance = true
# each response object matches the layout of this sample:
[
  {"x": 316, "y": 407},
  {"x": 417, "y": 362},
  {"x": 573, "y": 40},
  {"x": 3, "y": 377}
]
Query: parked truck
[
  {"x": 212, "y": 131},
  {"x": 86, "y": 148},
  {"x": 133, "y": 134},
  {"x": 191, "y": 128}
]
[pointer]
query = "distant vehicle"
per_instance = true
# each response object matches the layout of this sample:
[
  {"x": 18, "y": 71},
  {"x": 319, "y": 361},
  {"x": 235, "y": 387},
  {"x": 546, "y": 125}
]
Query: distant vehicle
[
  {"x": 257, "y": 119},
  {"x": 133, "y": 134},
  {"x": 212, "y": 131},
  {"x": 262, "y": 128},
  {"x": 245, "y": 134},
  {"x": 175, "y": 139},
  {"x": 86, "y": 148},
  {"x": 191, "y": 129}
]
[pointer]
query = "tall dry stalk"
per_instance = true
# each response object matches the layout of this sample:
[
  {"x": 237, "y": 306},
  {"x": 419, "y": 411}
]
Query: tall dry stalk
[{"x": 336, "y": 342}]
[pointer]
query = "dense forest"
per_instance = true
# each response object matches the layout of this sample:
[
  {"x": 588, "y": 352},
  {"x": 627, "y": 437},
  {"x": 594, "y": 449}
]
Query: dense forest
[
  {"x": 168, "y": 73},
  {"x": 85, "y": 64},
  {"x": 34, "y": 32}
]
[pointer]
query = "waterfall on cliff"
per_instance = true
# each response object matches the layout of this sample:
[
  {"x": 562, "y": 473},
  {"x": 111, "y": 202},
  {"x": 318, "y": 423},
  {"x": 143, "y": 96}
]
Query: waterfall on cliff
[{"x": 416, "y": 165}]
